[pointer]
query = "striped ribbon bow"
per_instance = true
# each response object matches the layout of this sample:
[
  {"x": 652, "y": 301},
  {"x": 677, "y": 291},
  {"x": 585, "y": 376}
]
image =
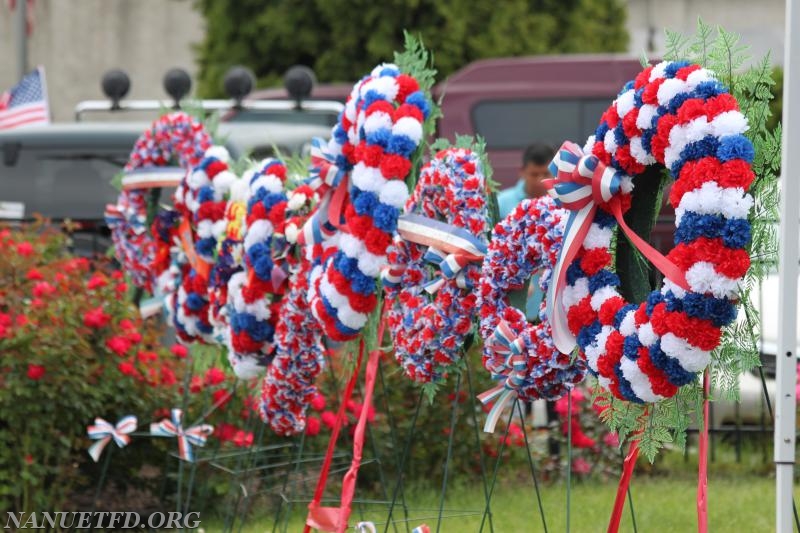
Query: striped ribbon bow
[
  {"x": 450, "y": 247},
  {"x": 512, "y": 370},
  {"x": 103, "y": 432},
  {"x": 173, "y": 427},
  {"x": 331, "y": 183},
  {"x": 581, "y": 184}
]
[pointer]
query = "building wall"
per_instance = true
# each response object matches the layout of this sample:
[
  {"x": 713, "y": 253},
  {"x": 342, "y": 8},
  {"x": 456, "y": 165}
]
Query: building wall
[
  {"x": 78, "y": 40},
  {"x": 759, "y": 22}
]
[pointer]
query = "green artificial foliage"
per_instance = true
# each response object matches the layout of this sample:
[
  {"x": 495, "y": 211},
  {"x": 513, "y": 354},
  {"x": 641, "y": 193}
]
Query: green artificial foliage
[
  {"x": 657, "y": 425},
  {"x": 343, "y": 39}
]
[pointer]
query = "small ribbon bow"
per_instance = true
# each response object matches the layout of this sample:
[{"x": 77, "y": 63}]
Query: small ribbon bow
[
  {"x": 331, "y": 183},
  {"x": 102, "y": 431},
  {"x": 450, "y": 247},
  {"x": 512, "y": 368},
  {"x": 173, "y": 427},
  {"x": 581, "y": 184}
]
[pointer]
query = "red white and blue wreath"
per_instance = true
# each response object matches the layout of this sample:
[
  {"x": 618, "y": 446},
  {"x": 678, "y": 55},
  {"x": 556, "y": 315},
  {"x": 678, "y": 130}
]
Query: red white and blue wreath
[
  {"x": 288, "y": 387},
  {"x": 174, "y": 138},
  {"x": 202, "y": 198},
  {"x": 518, "y": 354},
  {"x": 675, "y": 115},
  {"x": 369, "y": 157},
  {"x": 445, "y": 225},
  {"x": 252, "y": 311}
]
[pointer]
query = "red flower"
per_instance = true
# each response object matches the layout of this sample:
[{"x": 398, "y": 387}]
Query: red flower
[
  {"x": 35, "y": 372},
  {"x": 196, "y": 385},
  {"x": 21, "y": 320},
  {"x": 214, "y": 376},
  {"x": 168, "y": 376},
  {"x": 96, "y": 281},
  {"x": 243, "y": 438},
  {"x": 118, "y": 345},
  {"x": 329, "y": 419},
  {"x": 36, "y": 303},
  {"x": 180, "y": 351},
  {"x": 34, "y": 275},
  {"x": 127, "y": 368},
  {"x": 145, "y": 356},
  {"x": 312, "y": 426},
  {"x": 134, "y": 337},
  {"x": 121, "y": 288},
  {"x": 318, "y": 402},
  {"x": 96, "y": 318},
  {"x": 117, "y": 274},
  {"x": 126, "y": 324},
  {"x": 25, "y": 249},
  {"x": 225, "y": 431},
  {"x": 28, "y": 459},
  {"x": 221, "y": 397},
  {"x": 42, "y": 288}
]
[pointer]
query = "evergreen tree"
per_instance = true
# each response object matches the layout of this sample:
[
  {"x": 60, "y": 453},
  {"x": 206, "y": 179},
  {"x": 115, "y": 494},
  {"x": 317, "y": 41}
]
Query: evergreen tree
[{"x": 343, "y": 39}]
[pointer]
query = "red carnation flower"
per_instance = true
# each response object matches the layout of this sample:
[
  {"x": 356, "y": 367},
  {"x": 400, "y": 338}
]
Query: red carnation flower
[
  {"x": 25, "y": 249},
  {"x": 96, "y": 318},
  {"x": 118, "y": 345},
  {"x": 35, "y": 372},
  {"x": 214, "y": 376}
]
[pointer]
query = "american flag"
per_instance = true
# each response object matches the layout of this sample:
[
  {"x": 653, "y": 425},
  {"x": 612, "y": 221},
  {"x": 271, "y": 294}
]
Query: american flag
[{"x": 26, "y": 103}]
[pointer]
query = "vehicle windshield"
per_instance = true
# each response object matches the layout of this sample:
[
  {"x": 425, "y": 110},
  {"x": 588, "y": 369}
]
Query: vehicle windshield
[
  {"x": 315, "y": 118},
  {"x": 66, "y": 183}
]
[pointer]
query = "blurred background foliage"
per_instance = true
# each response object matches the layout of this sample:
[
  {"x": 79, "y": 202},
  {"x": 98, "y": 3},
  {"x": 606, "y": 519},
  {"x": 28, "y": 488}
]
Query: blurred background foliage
[{"x": 343, "y": 39}]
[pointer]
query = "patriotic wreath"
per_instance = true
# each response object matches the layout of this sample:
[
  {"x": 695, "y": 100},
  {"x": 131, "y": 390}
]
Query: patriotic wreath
[
  {"x": 252, "y": 312},
  {"x": 676, "y": 115},
  {"x": 299, "y": 358},
  {"x": 175, "y": 137},
  {"x": 229, "y": 258},
  {"x": 202, "y": 196},
  {"x": 518, "y": 354},
  {"x": 445, "y": 225},
  {"x": 375, "y": 140}
]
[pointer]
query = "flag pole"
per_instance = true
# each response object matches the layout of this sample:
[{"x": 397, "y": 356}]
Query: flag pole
[
  {"x": 786, "y": 378},
  {"x": 21, "y": 25}
]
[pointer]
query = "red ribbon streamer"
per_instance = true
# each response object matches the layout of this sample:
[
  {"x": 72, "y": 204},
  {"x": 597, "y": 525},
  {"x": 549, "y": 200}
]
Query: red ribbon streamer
[
  {"x": 324, "y": 518},
  {"x": 334, "y": 519},
  {"x": 622, "y": 490},
  {"x": 702, "y": 467}
]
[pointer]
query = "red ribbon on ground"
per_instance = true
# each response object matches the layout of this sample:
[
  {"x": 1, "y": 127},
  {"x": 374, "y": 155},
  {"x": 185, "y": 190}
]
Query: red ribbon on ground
[
  {"x": 334, "y": 519},
  {"x": 702, "y": 466}
]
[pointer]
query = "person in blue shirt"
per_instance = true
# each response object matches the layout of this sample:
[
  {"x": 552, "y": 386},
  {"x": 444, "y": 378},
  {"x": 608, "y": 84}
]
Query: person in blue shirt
[
  {"x": 535, "y": 160},
  {"x": 534, "y": 169}
]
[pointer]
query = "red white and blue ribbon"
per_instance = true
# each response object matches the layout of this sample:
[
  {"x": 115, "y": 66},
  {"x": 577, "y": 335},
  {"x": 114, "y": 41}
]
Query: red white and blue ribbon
[
  {"x": 450, "y": 248},
  {"x": 152, "y": 177},
  {"x": 192, "y": 436},
  {"x": 505, "y": 343},
  {"x": 582, "y": 183},
  {"x": 103, "y": 432}
]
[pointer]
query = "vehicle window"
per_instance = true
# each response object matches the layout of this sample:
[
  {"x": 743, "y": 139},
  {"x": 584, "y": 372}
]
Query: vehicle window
[
  {"x": 62, "y": 184},
  {"x": 509, "y": 125}
]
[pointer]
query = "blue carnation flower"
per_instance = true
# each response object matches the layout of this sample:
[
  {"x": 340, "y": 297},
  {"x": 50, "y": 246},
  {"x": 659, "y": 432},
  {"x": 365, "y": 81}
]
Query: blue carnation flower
[
  {"x": 574, "y": 272},
  {"x": 653, "y": 299},
  {"x": 206, "y": 246},
  {"x": 630, "y": 347},
  {"x": 736, "y": 233},
  {"x": 602, "y": 279},
  {"x": 401, "y": 145},
  {"x": 385, "y": 217},
  {"x": 263, "y": 267},
  {"x": 674, "y": 67},
  {"x": 587, "y": 334},
  {"x": 205, "y": 194},
  {"x": 371, "y": 97},
  {"x": 194, "y": 301},
  {"x": 418, "y": 99},
  {"x": 624, "y": 386},
  {"x": 364, "y": 202},
  {"x": 735, "y": 147},
  {"x": 709, "y": 89},
  {"x": 619, "y": 135},
  {"x": 380, "y": 137}
]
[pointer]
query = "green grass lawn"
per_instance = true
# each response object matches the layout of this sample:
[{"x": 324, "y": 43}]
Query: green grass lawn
[{"x": 736, "y": 503}]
